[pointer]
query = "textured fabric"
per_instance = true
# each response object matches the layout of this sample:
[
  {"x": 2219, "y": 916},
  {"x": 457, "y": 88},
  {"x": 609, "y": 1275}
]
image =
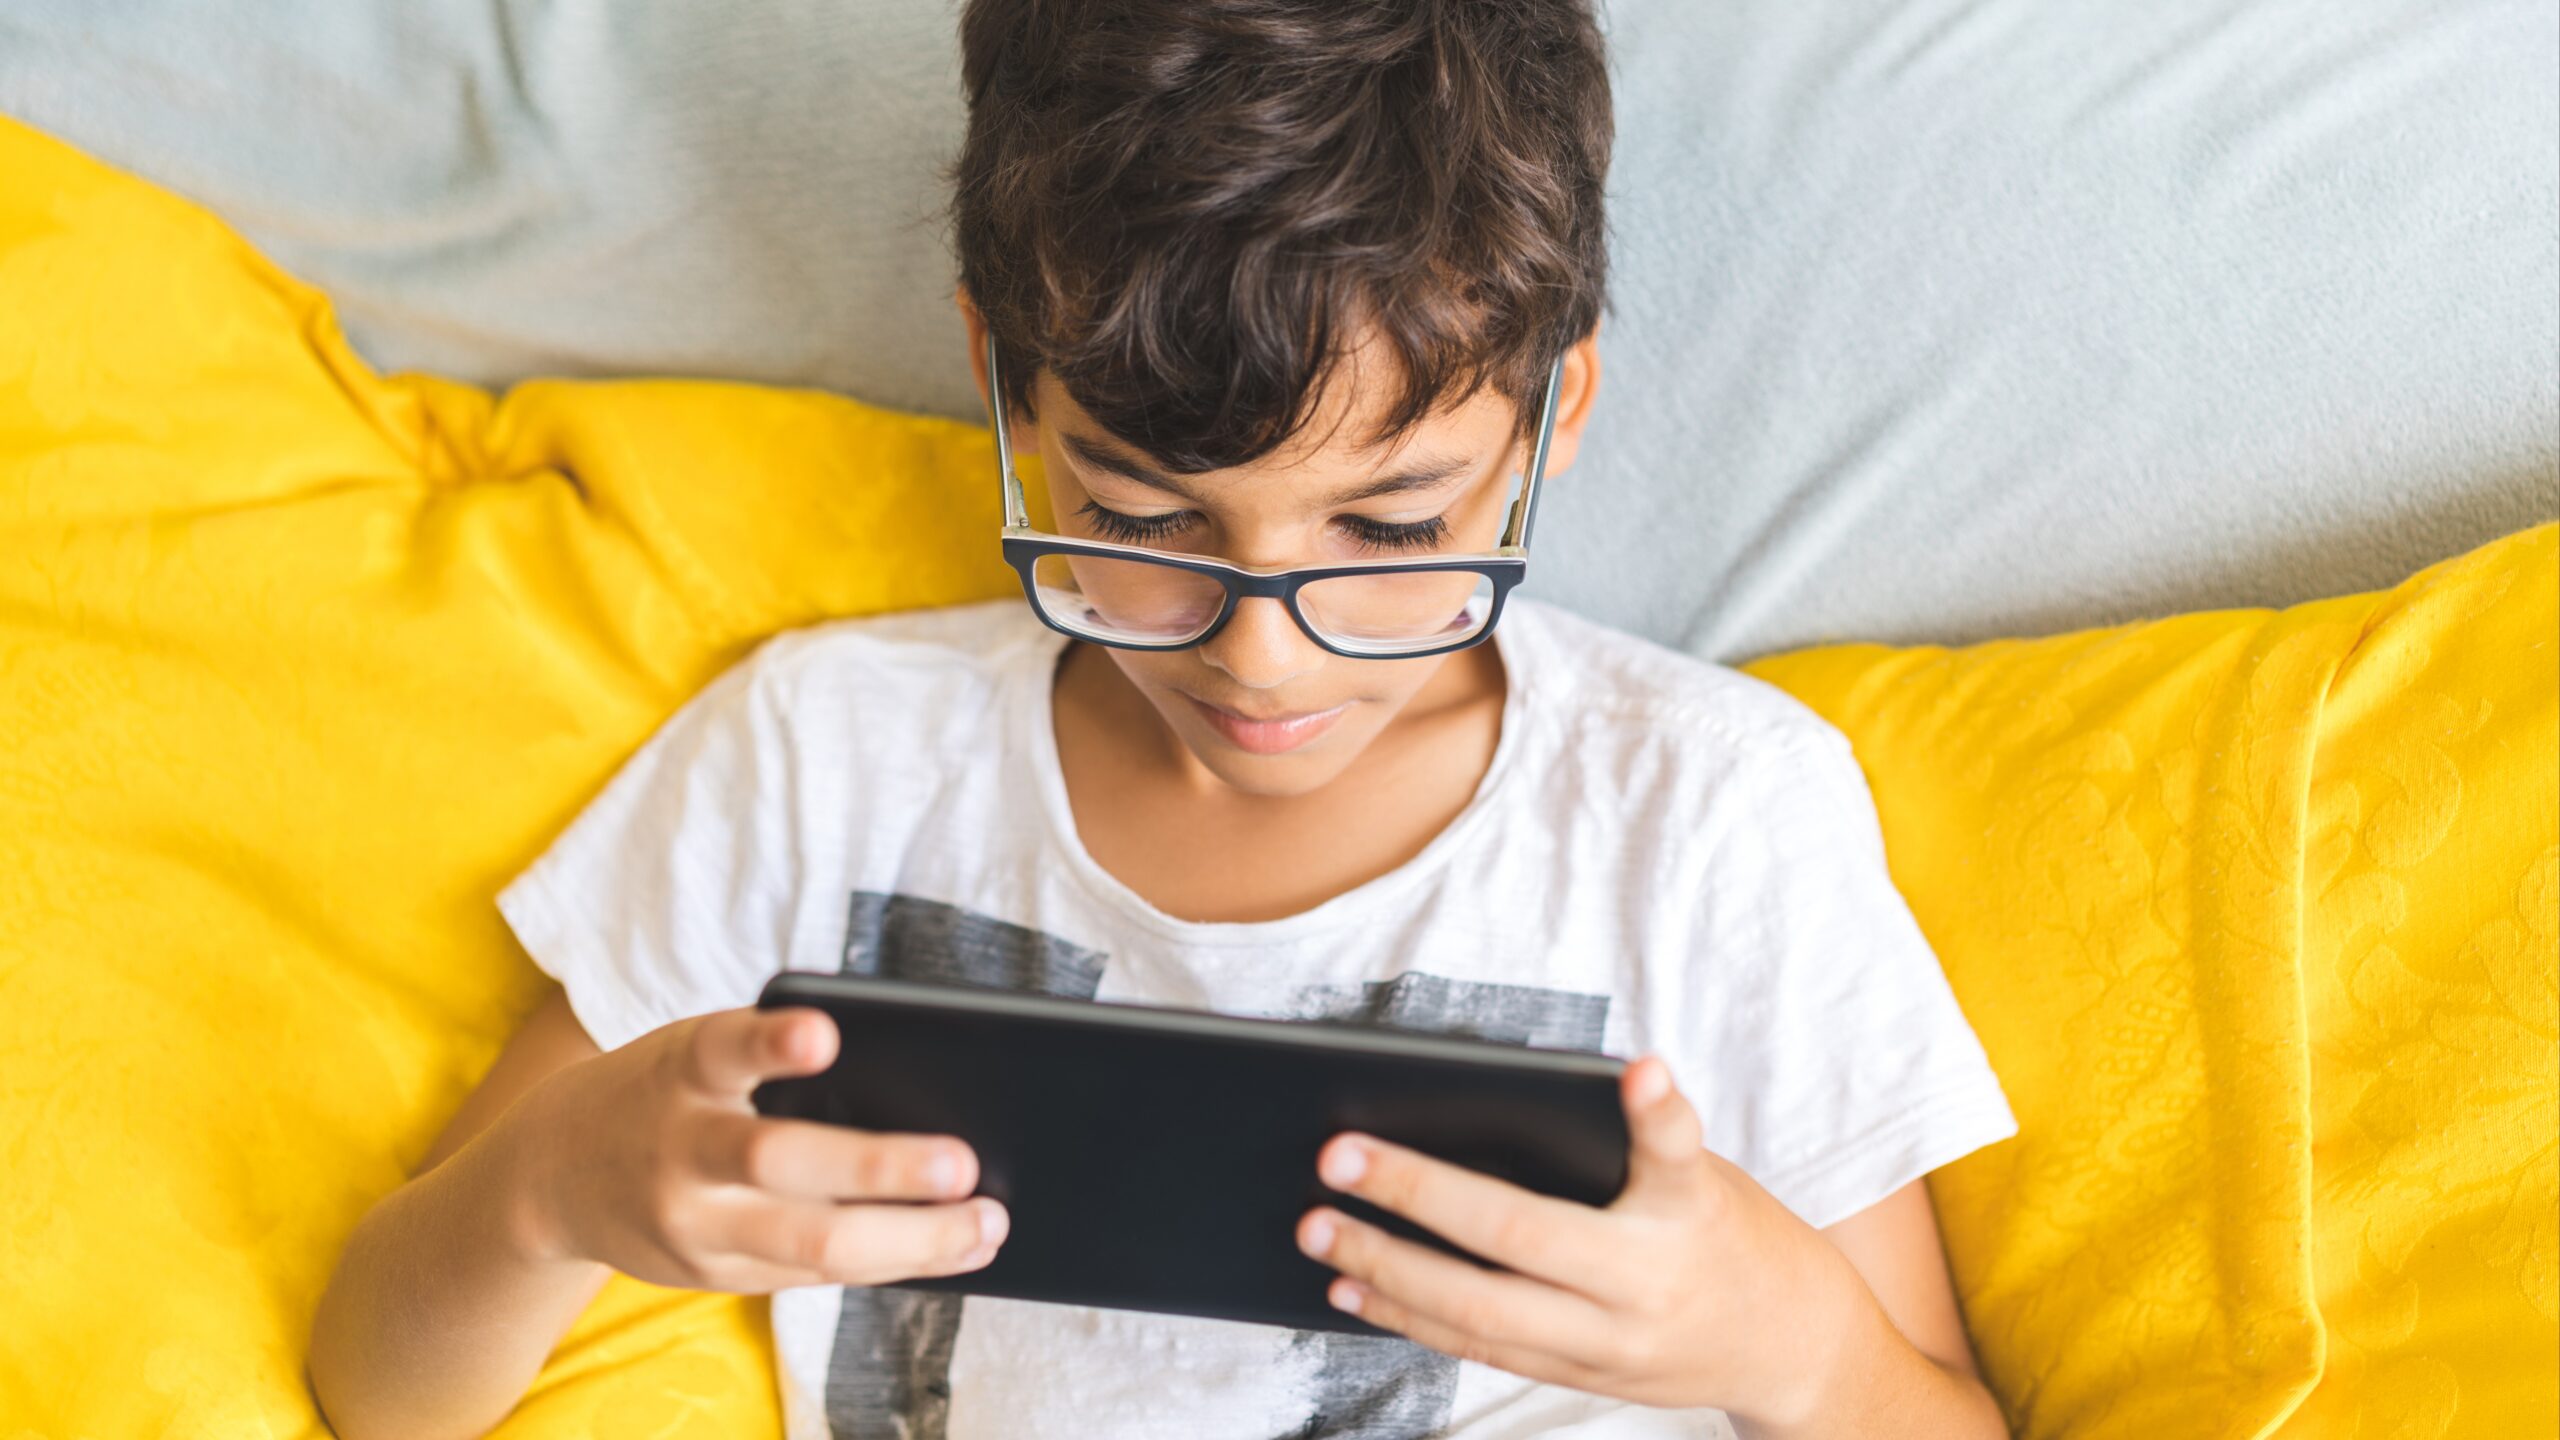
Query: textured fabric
[
  {"x": 1664, "y": 857},
  {"x": 1935, "y": 319},
  {"x": 2256, "y": 914},
  {"x": 298, "y": 665}
]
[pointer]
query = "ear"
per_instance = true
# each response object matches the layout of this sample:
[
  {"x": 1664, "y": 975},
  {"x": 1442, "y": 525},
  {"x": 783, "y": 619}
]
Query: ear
[
  {"x": 1573, "y": 403},
  {"x": 976, "y": 325}
]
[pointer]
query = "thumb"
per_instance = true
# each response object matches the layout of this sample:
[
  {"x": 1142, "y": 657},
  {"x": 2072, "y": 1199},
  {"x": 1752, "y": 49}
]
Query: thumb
[
  {"x": 731, "y": 1052},
  {"x": 1666, "y": 1144}
]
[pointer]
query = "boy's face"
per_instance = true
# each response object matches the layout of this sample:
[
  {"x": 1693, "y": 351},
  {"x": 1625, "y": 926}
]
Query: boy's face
[{"x": 1261, "y": 707}]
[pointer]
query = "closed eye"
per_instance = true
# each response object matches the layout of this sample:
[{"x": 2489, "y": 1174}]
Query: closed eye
[
  {"x": 1379, "y": 535},
  {"x": 1372, "y": 536},
  {"x": 1136, "y": 529}
]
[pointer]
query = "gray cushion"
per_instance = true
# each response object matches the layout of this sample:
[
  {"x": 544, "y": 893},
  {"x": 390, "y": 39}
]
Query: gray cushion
[{"x": 1934, "y": 318}]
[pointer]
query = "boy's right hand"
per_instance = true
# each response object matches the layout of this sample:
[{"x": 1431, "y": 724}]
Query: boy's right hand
[{"x": 651, "y": 1159}]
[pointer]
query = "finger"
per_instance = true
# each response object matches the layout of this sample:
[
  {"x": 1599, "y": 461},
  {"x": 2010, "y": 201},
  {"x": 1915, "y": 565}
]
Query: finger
[
  {"x": 1538, "y": 1235},
  {"x": 728, "y": 1053},
  {"x": 1392, "y": 1315},
  {"x": 866, "y": 1244},
  {"x": 737, "y": 1275},
  {"x": 1499, "y": 1309},
  {"x": 807, "y": 1160},
  {"x": 1666, "y": 1153}
]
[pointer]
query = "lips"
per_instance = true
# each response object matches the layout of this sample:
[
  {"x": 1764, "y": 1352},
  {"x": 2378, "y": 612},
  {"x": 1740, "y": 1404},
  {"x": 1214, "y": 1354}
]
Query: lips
[{"x": 1275, "y": 735}]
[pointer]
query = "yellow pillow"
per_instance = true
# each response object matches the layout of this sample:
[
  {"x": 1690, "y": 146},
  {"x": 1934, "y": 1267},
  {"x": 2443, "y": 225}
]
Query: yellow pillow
[
  {"x": 298, "y": 664},
  {"x": 2255, "y": 914}
]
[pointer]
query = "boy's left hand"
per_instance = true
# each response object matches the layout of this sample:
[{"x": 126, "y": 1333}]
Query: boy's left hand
[{"x": 1694, "y": 1288}]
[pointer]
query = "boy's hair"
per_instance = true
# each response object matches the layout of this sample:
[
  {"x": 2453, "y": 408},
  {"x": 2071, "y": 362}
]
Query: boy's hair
[{"x": 1189, "y": 210}]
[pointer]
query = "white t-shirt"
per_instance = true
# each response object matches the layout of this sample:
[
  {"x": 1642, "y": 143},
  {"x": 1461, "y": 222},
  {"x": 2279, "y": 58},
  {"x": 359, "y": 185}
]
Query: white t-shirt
[{"x": 1663, "y": 856}]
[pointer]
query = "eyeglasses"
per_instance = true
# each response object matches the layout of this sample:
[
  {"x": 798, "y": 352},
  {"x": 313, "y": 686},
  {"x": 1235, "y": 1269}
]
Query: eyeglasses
[{"x": 1132, "y": 598}]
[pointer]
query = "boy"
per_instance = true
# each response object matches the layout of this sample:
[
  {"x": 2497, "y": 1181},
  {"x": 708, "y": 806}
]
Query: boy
[{"x": 1272, "y": 286}]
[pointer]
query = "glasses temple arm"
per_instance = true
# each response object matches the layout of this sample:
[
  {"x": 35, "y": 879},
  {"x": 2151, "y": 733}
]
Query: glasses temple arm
[
  {"x": 1524, "y": 511},
  {"x": 1017, "y": 515}
]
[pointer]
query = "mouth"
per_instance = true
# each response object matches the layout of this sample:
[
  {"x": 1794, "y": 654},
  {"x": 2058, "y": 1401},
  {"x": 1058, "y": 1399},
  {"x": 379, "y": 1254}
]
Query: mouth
[{"x": 1267, "y": 735}]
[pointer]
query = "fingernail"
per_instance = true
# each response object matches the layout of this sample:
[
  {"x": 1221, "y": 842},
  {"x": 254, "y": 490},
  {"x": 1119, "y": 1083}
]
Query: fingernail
[
  {"x": 1344, "y": 1163},
  {"x": 992, "y": 1223},
  {"x": 979, "y": 1258},
  {"x": 942, "y": 1173},
  {"x": 1320, "y": 1236},
  {"x": 1653, "y": 1081},
  {"x": 1345, "y": 1296}
]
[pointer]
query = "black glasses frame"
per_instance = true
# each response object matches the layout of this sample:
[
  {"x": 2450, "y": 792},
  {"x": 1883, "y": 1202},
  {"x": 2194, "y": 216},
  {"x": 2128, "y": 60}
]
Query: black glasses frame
[
  {"x": 1024, "y": 550},
  {"x": 1505, "y": 567}
]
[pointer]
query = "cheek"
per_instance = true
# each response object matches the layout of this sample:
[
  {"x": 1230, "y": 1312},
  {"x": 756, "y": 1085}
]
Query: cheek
[
  {"x": 1154, "y": 670},
  {"x": 1485, "y": 512}
]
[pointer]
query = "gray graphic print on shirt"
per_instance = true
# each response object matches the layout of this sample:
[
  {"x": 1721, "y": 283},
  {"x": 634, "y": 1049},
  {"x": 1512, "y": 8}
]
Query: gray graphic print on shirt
[
  {"x": 1483, "y": 1010},
  {"x": 1377, "y": 1387},
  {"x": 900, "y": 937},
  {"x": 889, "y": 1369}
]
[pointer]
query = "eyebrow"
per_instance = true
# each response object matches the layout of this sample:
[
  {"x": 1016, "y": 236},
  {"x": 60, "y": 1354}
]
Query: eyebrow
[{"x": 1425, "y": 474}]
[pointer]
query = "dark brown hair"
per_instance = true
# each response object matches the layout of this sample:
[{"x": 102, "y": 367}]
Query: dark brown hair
[{"x": 1189, "y": 210}]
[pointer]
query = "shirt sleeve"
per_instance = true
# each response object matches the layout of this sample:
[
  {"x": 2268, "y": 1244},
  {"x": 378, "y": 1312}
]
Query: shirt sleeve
[
  {"x": 1841, "y": 1067},
  {"x": 671, "y": 894}
]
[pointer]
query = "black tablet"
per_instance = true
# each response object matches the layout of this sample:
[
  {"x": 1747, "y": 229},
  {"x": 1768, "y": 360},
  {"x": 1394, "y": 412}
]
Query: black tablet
[{"x": 1159, "y": 1159}]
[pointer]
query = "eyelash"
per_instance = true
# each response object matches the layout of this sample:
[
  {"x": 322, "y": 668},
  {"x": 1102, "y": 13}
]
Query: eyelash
[
  {"x": 1372, "y": 535},
  {"x": 1375, "y": 535},
  {"x": 1135, "y": 529}
]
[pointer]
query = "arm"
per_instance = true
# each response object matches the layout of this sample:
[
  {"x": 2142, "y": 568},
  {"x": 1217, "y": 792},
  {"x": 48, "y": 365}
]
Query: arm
[
  {"x": 1904, "y": 1327},
  {"x": 568, "y": 1163},
  {"x": 441, "y": 1310},
  {"x": 1695, "y": 1288}
]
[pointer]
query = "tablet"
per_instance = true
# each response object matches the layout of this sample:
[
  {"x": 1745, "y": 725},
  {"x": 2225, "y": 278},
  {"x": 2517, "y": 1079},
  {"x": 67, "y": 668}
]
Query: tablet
[{"x": 1157, "y": 1159}]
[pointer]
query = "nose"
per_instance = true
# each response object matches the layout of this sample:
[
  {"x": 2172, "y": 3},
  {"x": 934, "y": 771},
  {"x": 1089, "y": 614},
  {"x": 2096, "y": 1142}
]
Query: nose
[{"x": 1261, "y": 648}]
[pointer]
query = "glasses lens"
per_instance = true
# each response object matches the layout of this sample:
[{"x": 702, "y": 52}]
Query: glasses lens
[
  {"x": 1125, "y": 602},
  {"x": 1395, "y": 612}
]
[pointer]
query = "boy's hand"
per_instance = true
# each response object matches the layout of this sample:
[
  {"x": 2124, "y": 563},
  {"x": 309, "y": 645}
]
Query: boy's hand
[
  {"x": 652, "y": 1159},
  {"x": 1694, "y": 1288}
]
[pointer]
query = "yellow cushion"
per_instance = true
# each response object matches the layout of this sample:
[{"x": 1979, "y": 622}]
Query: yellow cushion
[
  {"x": 2255, "y": 914},
  {"x": 298, "y": 664}
]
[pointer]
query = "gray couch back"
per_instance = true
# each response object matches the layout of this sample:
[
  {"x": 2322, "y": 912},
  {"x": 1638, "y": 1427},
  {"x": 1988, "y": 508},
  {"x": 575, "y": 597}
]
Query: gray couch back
[{"x": 1934, "y": 319}]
